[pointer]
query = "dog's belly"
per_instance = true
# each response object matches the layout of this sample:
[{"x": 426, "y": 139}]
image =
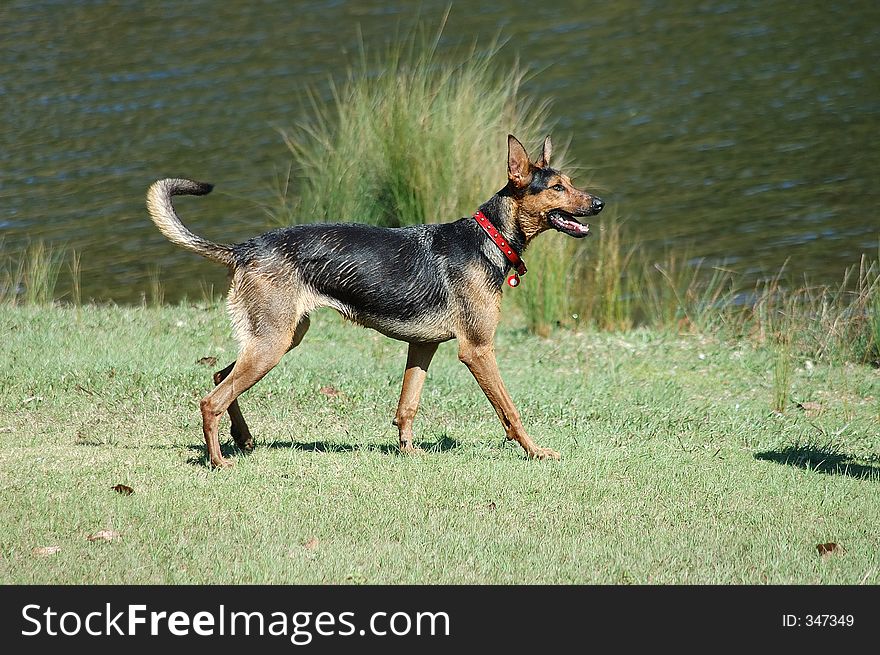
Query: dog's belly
[
  {"x": 430, "y": 327},
  {"x": 404, "y": 306}
]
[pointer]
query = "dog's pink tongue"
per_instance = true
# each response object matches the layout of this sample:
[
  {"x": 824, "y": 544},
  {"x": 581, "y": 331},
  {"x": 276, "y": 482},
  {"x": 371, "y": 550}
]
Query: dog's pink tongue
[
  {"x": 572, "y": 226},
  {"x": 580, "y": 228}
]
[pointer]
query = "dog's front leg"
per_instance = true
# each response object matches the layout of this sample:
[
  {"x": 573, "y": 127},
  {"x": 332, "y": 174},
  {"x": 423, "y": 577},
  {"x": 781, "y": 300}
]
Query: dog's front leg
[
  {"x": 418, "y": 358},
  {"x": 480, "y": 359}
]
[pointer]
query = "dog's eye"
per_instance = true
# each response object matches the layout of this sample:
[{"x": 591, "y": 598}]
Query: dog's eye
[{"x": 558, "y": 187}]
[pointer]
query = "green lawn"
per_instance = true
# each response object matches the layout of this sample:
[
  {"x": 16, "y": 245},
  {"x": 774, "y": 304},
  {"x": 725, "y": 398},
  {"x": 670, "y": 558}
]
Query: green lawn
[{"x": 674, "y": 469}]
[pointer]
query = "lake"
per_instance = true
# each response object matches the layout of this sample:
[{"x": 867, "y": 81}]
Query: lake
[{"x": 741, "y": 132}]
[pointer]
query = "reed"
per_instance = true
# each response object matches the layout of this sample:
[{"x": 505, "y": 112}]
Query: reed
[
  {"x": 156, "y": 288},
  {"x": 30, "y": 276},
  {"x": 75, "y": 272},
  {"x": 544, "y": 296}
]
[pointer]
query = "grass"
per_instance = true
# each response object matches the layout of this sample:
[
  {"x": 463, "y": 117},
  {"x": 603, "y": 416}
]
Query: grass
[
  {"x": 601, "y": 294},
  {"x": 674, "y": 468},
  {"x": 873, "y": 348},
  {"x": 617, "y": 285}
]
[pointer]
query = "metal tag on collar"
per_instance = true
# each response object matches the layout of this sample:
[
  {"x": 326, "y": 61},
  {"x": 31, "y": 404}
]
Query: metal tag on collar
[{"x": 513, "y": 280}]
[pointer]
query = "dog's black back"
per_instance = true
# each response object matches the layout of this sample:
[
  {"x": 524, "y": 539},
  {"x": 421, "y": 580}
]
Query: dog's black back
[{"x": 380, "y": 277}]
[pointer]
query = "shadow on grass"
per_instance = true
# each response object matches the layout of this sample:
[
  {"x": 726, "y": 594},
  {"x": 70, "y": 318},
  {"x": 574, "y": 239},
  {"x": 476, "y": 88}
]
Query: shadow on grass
[
  {"x": 821, "y": 460},
  {"x": 229, "y": 449}
]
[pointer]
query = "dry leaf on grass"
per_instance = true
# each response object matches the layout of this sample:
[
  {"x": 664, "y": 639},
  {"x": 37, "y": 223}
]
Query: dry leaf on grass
[
  {"x": 356, "y": 578},
  {"x": 830, "y": 548},
  {"x": 810, "y": 407},
  {"x": 104, "y": 535},
  {"x": 330, "y": 392},
  {"x": 207, "y": 361},
  {"x": 311, "y": 544},
  {"x": 45, "y": 551},
  {"x": 123, "y": 489}
]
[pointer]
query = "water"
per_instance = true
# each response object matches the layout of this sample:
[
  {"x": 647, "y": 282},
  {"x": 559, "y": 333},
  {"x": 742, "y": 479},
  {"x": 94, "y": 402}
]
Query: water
[{"x": 742, "y": 132}]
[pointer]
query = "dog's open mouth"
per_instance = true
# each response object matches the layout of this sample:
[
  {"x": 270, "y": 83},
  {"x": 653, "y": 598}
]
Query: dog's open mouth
[{"x": 568, "y": 224}]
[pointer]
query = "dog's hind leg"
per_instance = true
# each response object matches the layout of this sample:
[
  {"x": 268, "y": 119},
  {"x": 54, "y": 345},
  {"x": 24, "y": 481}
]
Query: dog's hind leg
[
  {"x": 239, "y": 430},
  {"x": 257, "y": 357},
  {"x": 418, "y": 358}
]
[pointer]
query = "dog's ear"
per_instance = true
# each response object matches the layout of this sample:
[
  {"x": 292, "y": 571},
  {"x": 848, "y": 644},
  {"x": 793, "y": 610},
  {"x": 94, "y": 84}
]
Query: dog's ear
[
  {"x": 518, "y": 165},
  {"x": 544, "y": 159}
]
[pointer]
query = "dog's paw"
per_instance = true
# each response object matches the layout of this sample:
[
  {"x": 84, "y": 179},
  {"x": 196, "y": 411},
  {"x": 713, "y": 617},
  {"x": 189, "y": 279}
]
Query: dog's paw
[
  {"x": 243, "y": 439},
  {"x": 222, "y": 463},
  {"x": 409, "y": 449},
  {"x": 246, "y": 446},
  {"x": 545, "y": 453}
]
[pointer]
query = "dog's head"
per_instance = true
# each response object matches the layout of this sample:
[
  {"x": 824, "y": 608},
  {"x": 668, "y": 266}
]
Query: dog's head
[{"x": 545, "y": 197}]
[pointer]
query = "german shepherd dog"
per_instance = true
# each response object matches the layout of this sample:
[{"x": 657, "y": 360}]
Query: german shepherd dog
[{"x": 423, "y": 284}]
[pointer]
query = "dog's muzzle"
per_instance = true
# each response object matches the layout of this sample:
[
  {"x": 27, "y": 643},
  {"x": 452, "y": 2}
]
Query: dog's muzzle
[{"x": 567, "y": 223}]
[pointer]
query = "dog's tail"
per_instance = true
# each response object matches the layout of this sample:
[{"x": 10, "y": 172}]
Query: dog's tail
[{"x": 166, "y": 219}]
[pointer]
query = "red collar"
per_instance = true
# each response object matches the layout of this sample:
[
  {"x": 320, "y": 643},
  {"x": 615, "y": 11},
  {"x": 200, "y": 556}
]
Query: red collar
[{"x": 503, "y": 245}]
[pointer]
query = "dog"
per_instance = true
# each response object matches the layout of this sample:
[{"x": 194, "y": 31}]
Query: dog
[{"x": 422, "y": 284}]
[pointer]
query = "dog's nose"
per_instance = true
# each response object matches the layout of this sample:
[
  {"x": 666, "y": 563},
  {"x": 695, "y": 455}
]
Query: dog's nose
[{"x": 597, "y": 205}]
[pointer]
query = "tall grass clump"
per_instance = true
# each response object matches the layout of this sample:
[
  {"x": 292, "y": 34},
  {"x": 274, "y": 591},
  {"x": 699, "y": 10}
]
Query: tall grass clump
[
  {"x": 544, "y": 295},
  {"x": 74, "y": 267},
  {"x": 29, "y": 277},
  {"x": 833, "y": 323},
  {"x": 409, "y": 137},
  {"x": 859, "y": 328},
  {"x": 703, "y": 298},
  {"x": 618, "y": 286},
  {"x": 156, "y": 288},
  {"x": 781, "y": 321}
]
